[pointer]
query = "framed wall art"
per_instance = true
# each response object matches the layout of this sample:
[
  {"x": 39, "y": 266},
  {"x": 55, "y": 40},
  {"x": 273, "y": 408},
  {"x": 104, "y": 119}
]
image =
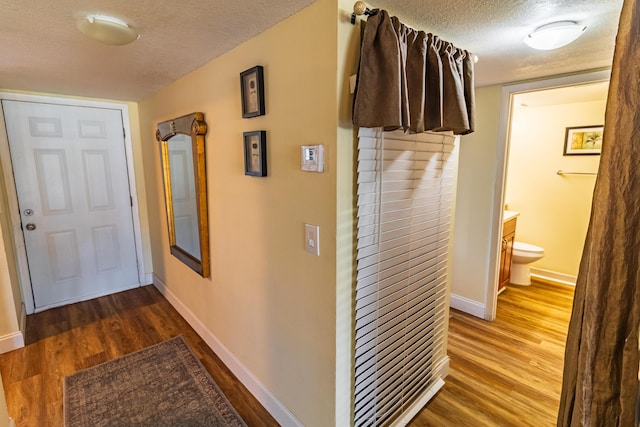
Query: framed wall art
[
  {"x": 252, "y": 92},
  {"x": 583, "y": 140},
  {"x": 255, "y": 153}
]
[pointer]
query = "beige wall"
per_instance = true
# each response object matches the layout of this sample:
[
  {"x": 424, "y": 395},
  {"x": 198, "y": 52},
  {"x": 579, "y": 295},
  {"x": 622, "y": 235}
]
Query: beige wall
[
  {"x": 8, "y": 266},
  {"x": 348, "y": 58},
  {"x": 270, "y": 303},
  {"x": 477, "y": 170},
  {"x": 8, "y": 312},
  {"x": 554, "y": 210}
]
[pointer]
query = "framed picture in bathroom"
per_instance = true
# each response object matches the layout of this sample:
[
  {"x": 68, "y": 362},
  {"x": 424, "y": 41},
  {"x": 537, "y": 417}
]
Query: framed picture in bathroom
[{"x": 583, "y": 140}]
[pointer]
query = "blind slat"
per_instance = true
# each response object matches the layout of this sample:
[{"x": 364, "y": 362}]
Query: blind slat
[
  {"x": 387, "y": 268},
  {"x": 386, "y": 323},
  {"x": 371, "y": 293},
  {"x": 369, "y": 350},
  {"x": 396, "y": 387},
  {"x": 382, "y": 233},
  {"x": 365, "y": 378},
  {"x": 376, "y": 303},
  {"x": 426, "y": 236}
]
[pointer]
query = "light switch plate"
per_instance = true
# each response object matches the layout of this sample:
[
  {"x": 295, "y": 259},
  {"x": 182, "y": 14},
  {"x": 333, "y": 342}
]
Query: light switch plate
[{"x": 312, "y": 239}]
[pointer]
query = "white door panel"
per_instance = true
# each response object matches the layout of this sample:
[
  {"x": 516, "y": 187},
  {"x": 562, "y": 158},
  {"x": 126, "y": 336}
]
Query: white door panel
[{"x": 70, "y": 170}]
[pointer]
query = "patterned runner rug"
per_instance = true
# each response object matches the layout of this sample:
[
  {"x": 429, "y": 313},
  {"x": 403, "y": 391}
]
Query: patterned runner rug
[{"x": 162, "y": 385}]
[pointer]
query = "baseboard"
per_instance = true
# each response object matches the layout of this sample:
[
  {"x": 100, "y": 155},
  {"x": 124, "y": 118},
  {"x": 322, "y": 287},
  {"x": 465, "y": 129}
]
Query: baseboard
[
  {"x": 148, "y": 279},
  {"x": 440, "y": 371},
  {"x": 553, "y": 276},
  {"x": 23, "y": 319},
  {"x": 11, "y": 342},
  {"x": 271, "y": 403},
  {"x": 466, "y": 305}
]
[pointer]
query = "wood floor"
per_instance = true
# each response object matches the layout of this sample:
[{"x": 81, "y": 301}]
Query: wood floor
[
  {"x": 507, "y": 372},
  {"x": 503, "y": 373},
  {"x": 67, "y": 339}
]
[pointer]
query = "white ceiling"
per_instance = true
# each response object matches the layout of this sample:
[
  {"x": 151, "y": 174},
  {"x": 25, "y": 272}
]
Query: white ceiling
[{"x": 42, "y": 50}]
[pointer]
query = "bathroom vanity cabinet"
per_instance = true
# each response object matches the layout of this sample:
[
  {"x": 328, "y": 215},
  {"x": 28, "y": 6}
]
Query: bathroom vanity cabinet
[{"x": 508, "y": 237}]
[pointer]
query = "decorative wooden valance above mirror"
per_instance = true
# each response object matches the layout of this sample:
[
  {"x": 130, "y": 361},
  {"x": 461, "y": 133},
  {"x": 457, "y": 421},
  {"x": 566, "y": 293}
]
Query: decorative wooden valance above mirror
[{"x": 185, "y": 189}]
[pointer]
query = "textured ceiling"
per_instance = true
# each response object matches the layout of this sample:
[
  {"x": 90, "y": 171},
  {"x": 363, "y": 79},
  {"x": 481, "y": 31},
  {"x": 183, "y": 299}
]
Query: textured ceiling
[
  {"x": 42, "y": 50},
  {"x": 494, "y": 29}
]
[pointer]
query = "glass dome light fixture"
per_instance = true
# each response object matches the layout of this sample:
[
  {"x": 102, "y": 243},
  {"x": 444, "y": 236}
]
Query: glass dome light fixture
[
  {"x": 554, "y": 35},
  {"x": 108, "y": 30}
]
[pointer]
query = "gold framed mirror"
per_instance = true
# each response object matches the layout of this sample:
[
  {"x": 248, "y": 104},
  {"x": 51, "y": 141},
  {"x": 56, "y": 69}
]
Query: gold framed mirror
[{"x": 185, "y": 189}]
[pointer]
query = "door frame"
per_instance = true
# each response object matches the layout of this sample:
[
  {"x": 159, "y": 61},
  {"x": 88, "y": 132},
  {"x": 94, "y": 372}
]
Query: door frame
[
  {"x": 504, "y": 126},
  {"x": 12, "y": 195}
]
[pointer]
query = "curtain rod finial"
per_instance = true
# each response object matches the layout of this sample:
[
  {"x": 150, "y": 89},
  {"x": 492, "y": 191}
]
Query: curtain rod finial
[{"x": 359, "y": 8}]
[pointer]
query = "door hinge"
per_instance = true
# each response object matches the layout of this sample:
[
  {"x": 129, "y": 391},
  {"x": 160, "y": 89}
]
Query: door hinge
[
  {"x": 131, "y": 200},
  {"x": 124, "y": 133}
]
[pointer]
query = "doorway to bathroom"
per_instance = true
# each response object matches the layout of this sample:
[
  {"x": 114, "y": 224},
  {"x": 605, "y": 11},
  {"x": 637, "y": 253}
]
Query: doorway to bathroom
[
  {"x": 550, "y": 177},
  {"x": 551, "y": 165},
  {"x": 550, "y": 186}
]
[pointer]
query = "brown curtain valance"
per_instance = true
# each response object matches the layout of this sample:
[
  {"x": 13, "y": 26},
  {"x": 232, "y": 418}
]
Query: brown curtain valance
[{"x": 412, "y": 80}]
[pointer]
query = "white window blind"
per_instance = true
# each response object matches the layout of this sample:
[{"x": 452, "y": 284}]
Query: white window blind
[{"x": 405, "y": 193}]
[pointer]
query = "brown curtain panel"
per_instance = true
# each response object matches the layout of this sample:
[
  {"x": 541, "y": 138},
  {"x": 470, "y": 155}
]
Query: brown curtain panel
[
  {"x": 600, "y": 383},
  {"x": 412, "y": 80}
]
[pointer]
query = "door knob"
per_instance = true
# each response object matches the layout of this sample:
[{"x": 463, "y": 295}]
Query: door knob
[{"x": 31, "y": 226}]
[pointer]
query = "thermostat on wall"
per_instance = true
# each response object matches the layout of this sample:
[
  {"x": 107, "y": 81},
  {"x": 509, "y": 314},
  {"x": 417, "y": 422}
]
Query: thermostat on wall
[{"x": 312, "y": 158}]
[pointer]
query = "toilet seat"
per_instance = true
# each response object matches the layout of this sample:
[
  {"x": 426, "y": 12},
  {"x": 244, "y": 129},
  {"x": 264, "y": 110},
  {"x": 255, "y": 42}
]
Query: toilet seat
[{"x": 526, "y": 248}]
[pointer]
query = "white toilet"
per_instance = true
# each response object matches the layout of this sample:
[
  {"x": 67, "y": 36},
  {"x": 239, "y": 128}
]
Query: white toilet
[{"x": 523, "y": 255}]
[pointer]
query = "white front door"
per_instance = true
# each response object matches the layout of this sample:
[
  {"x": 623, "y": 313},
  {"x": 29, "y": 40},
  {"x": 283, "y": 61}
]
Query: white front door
[{"x": 71, "y": 179}]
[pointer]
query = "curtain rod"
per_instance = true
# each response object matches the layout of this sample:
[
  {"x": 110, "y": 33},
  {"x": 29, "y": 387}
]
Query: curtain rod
[
  {"x": 561, "y": 172},
  {"x": 359, "y": 8}
]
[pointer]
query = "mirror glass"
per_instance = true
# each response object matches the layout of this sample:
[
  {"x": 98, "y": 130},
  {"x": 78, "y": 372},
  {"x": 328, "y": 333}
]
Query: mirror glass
[
  {"x": 183, "y": 160},
  {"x": 183, "y": 194}
]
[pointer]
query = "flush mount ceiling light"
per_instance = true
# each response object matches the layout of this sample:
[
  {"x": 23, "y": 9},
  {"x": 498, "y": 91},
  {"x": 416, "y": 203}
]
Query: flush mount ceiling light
[
  {"x": 554, "y": 35},
  {"x": 108, "y": 30}
]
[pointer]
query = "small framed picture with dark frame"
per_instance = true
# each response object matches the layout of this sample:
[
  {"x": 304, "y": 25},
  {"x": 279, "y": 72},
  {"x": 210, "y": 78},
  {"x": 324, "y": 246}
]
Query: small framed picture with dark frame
[
  {"x": 252, "y": 90},
  {"x": 255, "y": 153},
  {"x": 583, "y": 140}
]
